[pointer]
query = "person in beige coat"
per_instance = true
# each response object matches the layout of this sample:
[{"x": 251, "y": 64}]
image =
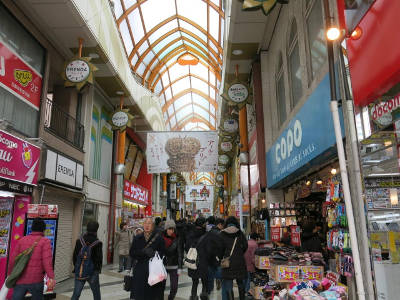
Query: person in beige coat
[{"x": 123, "y": 240}]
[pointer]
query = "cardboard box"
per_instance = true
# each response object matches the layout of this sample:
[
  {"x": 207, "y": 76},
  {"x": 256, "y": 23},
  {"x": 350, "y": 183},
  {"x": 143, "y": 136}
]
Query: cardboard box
[
  {"x": 285, "y": 273},
  {"x": 262, "y": 262}
]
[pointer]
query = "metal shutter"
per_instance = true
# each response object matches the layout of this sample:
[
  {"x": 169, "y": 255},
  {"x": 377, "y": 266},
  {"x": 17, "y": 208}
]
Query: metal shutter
[{"x": 63, "y": 263}]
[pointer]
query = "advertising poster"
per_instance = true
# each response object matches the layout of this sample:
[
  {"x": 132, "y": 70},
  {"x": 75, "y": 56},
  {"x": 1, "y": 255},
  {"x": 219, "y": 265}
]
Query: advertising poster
[
  {"x": 201, "y": 195},
  {"x": 182, "y": 151},
  {"x": 6, "y": 205},
  {"x": 50, "y": 231}
]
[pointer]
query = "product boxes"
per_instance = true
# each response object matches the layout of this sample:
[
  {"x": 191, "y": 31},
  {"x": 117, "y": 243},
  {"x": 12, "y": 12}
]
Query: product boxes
[
  {"x": 262, "y": 262},
  {"x": 284, "y": 273}
]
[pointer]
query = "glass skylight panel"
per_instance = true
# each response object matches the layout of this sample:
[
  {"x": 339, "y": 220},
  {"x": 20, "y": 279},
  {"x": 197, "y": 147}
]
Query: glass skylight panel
[
  {"x": 182, "y": 101},
  {"x": 147, "y": 59},
  {"x": 143, "y": 47},
  {"x": 221, "y": 42},
  {"x": 140, "y": 69},
  {"x": 199, "y": 70},
  {"x": 177, "y": 71},
  {"x": 212, "y": 46},
  {"x": 212, "y": 78},
  {"x": 158, "y": 87},
  {"x": 163, "y": 30},
  {"x": 129, "y": 3},
  {"x": 200, "y": 101},
  {"x": 214, "y": 24},
  {"x": 126, "y": 37},
  {"x": 193, "y": 10},
  {"x": 168, "y": 94},
  {"x": 165, "y": 41},
  {"x": 202, "y": 112},
  {"x": 181, "y": 85},
  {"x": 212, "y": 121},
  {"x": 162, "y": 97},
  {"x": 193, "y": 29},
  {"x": 154, "y": 11},
  {"x": 134, "y": 60},
  {"x": 165, "y": 116},
  {"x": 170, "y": 110},
  {"x": 184, "y": 34},
  {"x": 184, "y": 112},
  {"x": 117, "y": 8},
  {"x": 212, "y": 110},
  {"x": 199, "y": 85},
  {"x": 216, "y": 2},
  {"x": 165, "y": 79},
  {"x": 173, "y": 122},
  {"x": 136, "y": 25},
  {"x": 168, "y": 127}
]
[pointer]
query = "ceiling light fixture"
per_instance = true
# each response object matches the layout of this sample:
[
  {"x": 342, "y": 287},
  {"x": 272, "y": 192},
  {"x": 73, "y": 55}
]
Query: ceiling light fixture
[
  {"x": 333, "y": 171},
  {"x": 356, "y": 34},
  {"x": 319, "y": 182},
  {"x": 308, "y": 182},
  {"x": 333, "y": 33},
  {"x": 237, "y": 52}
]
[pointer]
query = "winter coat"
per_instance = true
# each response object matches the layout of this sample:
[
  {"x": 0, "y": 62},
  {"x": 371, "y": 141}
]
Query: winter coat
[
  {"x": 249, "y": 255},
  {"x": 213, "y": 245},
  {"x": 123, "y": 240},
  {"x": 310, "y": 242},
  {"x": 140, "y": 263},
  {"x": 194, "y": 234},
  {"x": 173, "y": 254},
  {"x": 40, "y": 261},
  {"x": 96, "y": 254},
  {"x": 237, "y": 268}
]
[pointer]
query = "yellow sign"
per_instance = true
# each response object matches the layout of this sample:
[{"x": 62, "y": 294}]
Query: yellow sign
[
  {"x": 394, "y": 246},
  {"x": 23, "y": 77},
  {"x": 379, "y": 240}
]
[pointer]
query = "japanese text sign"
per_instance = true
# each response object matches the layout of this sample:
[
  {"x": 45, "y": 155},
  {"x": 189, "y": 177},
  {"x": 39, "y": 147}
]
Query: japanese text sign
[{"x": 136, "y": 193}]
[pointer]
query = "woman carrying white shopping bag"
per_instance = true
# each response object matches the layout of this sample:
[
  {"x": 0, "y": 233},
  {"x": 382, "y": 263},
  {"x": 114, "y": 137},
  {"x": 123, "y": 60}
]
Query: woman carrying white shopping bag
[{"x": 157, "y": 272}]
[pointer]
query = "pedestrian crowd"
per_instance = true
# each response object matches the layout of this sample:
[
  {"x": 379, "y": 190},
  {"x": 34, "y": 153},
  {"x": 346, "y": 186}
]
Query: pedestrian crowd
[{"x": 215, "y": 252}]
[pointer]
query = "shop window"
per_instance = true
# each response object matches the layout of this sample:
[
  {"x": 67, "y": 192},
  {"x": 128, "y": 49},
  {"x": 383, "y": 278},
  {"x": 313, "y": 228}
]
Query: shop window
[
  {"x": 316, "y": 38},
  {"x": 22, "y": 115},
  {"x": 101, "y": 141},
  {"x": 89, "y": 214},
  {"x": 280, "y": 92},
  {"x": 294, "y": 66}
]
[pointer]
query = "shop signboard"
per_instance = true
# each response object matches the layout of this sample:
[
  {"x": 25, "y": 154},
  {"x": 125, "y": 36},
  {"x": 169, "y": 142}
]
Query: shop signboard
[
  {"x": 19, "y": 160},
  {"x": 63, "y": 170},
  {"x": 6, "y": 205},
  {"x": 381, "y": 112},
  {"x": 17, "y": 77},
  {"x": 170, "y": 152},
  {"x": 308, "y": 135},
  {"x": 136, "y": 193}
]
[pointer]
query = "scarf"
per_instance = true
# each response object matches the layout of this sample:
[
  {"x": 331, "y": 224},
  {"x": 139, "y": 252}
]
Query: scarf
[
  {"x": 147, "y": 235},
  {"x": 169, "y": 240}
]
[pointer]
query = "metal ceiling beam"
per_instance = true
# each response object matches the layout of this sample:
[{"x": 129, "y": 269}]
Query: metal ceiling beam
[
  {"x": 178, "y": 17},
  {"x": 132, "y": 8},
  {"x": 171, "y": 55},
  {"x": 186, "y": 105},
  {"x": 195, "y": 118},
  {"x": 184, "y": 92},
  {"x": 187, "y": 75}
]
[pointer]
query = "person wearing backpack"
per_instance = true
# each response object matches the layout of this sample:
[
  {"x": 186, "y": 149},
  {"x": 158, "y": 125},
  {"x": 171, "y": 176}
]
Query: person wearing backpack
[
  {"x": 40, "y": 262},
  {"x": 88, "y": 261},
  {"x": 233, "y": 263},
  {"x": 197, "y": 266}
]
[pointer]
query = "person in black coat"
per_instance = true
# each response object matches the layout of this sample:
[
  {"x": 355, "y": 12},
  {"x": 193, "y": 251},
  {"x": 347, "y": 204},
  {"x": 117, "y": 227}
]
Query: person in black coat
[
  {"x": 143, "y": 248},
  {"x": 196, "y": 238},
  {"x": 237, "y": 268},
  {"x": 310, "y": 240},
  {"x": 173, "y": 256}
]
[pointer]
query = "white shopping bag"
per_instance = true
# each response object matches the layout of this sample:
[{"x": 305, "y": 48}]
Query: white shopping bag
[
  {"x": 3, "y": 292},
  {"x": 157, "y": 272}
]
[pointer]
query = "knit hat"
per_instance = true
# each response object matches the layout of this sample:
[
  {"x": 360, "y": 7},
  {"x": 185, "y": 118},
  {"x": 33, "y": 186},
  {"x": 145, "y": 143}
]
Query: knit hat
[{"x": 169, "y": 224}]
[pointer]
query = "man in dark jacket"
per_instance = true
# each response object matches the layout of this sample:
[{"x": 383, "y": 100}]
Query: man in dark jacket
[
  {"x": 213, "y": 247},
  {"x": 235, "y": 252},
  {"x": 97, "y": 258},
  {"x": 196, "y": 238},
  {"x": 310, "y": 240}
]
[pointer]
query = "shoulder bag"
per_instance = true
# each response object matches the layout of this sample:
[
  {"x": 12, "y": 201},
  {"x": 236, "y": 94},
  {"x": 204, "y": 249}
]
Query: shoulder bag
[
  {"x": 226, "y": 261},
  {"x": 20, "y": 263}
]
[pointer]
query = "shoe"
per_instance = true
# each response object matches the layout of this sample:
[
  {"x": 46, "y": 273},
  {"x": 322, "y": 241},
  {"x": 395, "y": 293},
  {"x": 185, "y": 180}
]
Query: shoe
[
  {"x": 242, "y": 294},
  {"x": 204, "y": 296},
  {"x": 218, "y": 283},
  {"x": 119, "y": 271}
]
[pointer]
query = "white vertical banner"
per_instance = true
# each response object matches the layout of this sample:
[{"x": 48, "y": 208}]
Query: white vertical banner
[
  {"x": 172, "y": 190},
  {"x": 182, "y": 151}
]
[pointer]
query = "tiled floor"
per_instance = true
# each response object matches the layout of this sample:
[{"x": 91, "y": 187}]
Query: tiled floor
[{"x": 111, "y": 287}]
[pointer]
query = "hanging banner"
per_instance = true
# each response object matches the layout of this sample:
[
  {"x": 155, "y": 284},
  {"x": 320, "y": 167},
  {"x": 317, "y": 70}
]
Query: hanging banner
[
  {"x": 182, "y": 151},
  {"x": 6, "y": 205},
  {"x": 172, "y": 191},
  {"x": 19, "y": 160},
  {"x": 201, "y": 195}
]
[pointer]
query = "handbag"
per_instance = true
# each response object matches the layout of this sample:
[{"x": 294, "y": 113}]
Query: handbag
[
  {"x": 20, "y": 263},
  {"x": 226, "y": 261},
  {"x": 128, "y": 278}
]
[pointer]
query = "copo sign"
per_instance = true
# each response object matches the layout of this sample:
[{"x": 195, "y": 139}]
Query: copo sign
[
  {"x": 120, "y": 119},
  {"x": 77, "y": 71},
  {"x": 238, "y": 93},
  {"x": 292, "y": 138}
]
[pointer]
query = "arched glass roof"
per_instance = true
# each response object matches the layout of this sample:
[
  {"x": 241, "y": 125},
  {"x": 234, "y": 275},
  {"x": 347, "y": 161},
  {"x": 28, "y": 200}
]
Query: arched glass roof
[
  {"x": 207, "y": 178},
  {"x": 158, "y": 33}
]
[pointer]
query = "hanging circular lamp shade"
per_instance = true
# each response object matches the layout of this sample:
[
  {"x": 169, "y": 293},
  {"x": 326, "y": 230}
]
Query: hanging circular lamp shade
[{"x": 187, "y": 59}]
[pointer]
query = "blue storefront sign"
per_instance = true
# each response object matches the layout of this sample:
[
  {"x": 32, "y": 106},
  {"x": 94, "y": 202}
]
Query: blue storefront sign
[{"x": 309, "y": 135}]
